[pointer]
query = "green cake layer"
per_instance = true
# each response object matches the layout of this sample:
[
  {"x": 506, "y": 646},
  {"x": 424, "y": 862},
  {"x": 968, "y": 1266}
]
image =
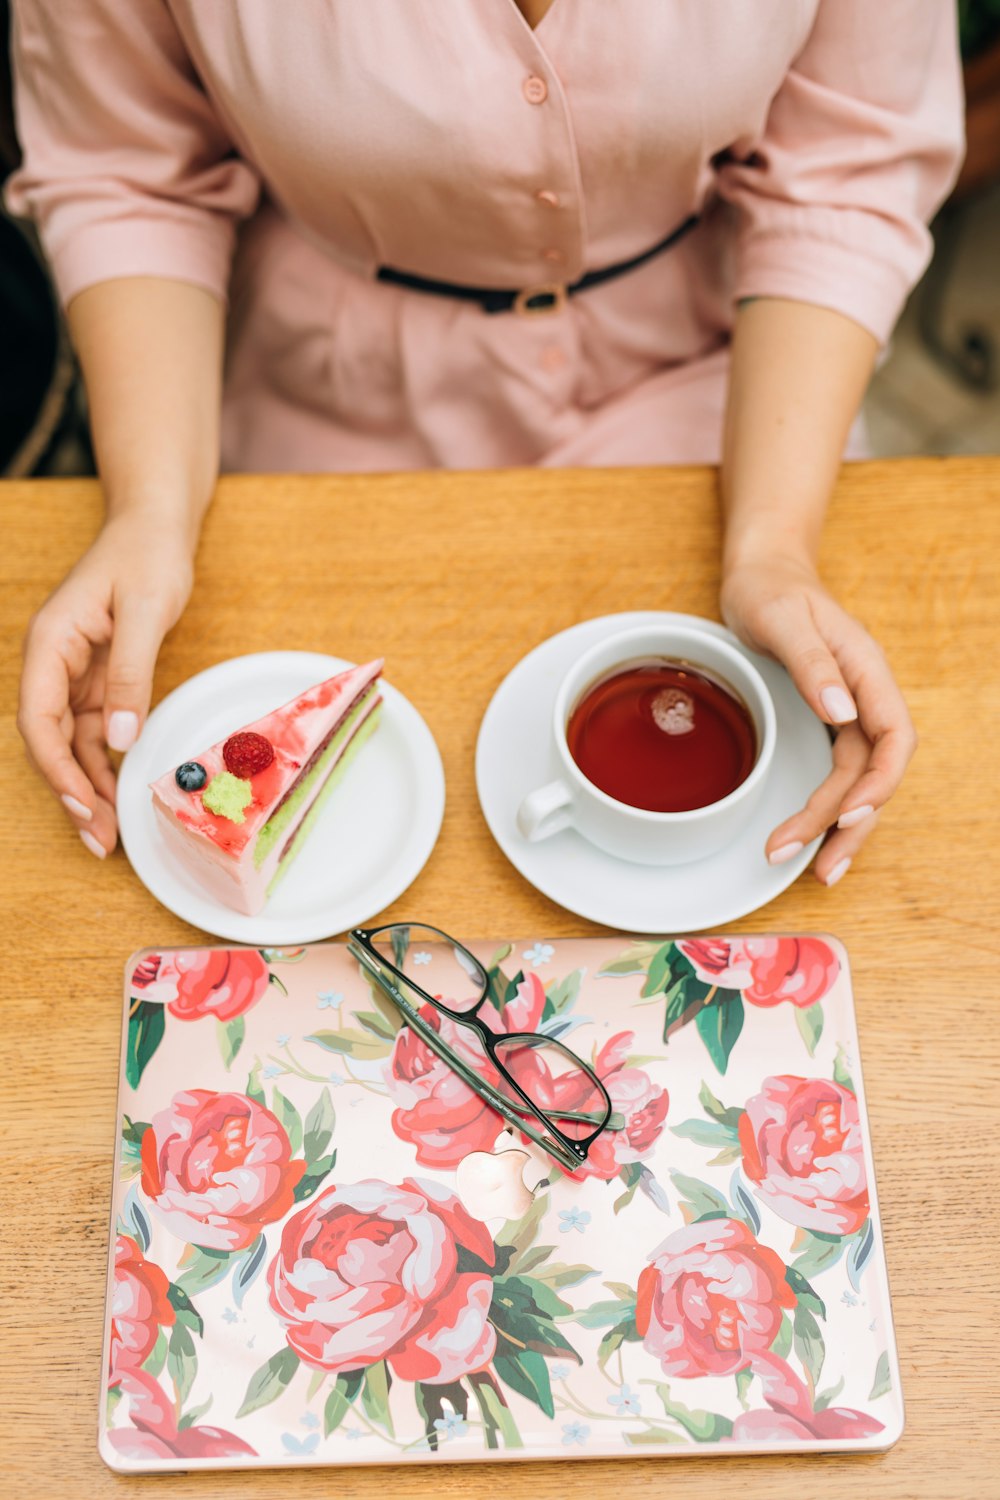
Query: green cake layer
[
  {"x": 273, "y": 830},
  {"x": 302, "y": 832}
]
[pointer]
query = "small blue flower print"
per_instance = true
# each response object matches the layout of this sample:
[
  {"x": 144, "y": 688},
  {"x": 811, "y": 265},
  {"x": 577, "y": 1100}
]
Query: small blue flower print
[
  {"x": 230, "y": 1315},
  {"x": 421, "y": 958},
  {"x": 451, "y": 1425},
  {"x": 329, "y": 999},
  {"x": 849, "y": 1299},
  {"x": 575, "y": 1432},
  {"x": 626, "y": 1402},
  {"x": 283, "y": 1039},
  {"x": 293, "y": 1444},
  {"x": 271, "y": 1071},
  {"x": 354, "y": 1433},
  {"x": 559, "y": 1372},
  {"x": 539, "y": 954},
  {"x": 336, "y": 1079},
  {"x": 310, "y": 1419},
  {"x": 573, "y": 1218}
]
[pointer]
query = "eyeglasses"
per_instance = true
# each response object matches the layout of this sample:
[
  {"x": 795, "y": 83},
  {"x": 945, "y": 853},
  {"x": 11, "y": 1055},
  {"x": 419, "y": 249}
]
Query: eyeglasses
[{"x": 532, "y": 1080}]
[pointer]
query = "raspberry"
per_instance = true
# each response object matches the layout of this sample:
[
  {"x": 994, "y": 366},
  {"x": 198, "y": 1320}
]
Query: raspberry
[{"x": 247, "y": 753}]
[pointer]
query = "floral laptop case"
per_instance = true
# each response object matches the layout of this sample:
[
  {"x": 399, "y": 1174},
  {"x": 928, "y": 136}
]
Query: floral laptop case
[{"x": 327, "y": 1249}]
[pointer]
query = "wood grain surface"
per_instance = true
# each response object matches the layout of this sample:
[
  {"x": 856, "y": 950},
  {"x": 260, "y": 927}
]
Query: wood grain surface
[{"x": 454, "y": 577}]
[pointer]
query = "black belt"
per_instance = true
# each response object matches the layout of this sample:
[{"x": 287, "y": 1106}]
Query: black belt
[{"x": 549, "y": 297}]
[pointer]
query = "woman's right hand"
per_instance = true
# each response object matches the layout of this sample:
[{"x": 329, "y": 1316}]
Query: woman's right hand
[{"x": 89, "y": 656}]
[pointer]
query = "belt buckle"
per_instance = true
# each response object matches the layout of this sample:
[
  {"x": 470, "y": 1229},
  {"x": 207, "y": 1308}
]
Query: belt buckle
[{"x": 540, "y": 301}]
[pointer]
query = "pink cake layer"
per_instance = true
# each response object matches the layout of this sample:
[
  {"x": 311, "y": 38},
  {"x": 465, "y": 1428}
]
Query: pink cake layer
[{"x": 219, "y": 852}]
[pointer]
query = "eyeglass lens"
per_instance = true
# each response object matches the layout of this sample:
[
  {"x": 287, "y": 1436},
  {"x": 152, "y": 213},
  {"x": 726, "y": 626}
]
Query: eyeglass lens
[
  {"x": 547, "y": 1072},
  {"x": 455, "y": 979}
]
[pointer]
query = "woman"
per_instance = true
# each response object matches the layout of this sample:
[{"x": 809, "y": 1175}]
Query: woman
[{"x": 381, "y": 159}]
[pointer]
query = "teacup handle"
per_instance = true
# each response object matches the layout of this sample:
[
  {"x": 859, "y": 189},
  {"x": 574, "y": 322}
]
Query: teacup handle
[{"x": 545, "y": 811}]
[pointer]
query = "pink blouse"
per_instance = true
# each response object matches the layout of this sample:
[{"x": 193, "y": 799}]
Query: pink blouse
[{"x": 446, "y": 138}]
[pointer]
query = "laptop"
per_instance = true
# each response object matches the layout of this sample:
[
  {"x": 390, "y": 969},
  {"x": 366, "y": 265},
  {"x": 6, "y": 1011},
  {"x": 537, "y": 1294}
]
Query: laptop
[{"x": 327, "y": 1249}]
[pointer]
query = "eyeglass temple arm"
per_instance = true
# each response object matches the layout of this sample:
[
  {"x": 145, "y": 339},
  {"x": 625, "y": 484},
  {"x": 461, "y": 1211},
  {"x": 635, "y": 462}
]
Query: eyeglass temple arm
[{"x": 565, "y": 1156}]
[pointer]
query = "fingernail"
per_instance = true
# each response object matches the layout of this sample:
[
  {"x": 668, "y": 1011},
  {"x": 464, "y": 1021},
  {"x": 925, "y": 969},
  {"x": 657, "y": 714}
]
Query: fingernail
[
  {"x": 76, "y": 808},
  {"x": 838, "y": 705},
  {"x": 856, "y": 815},
  {"x": 92, "y": 844},
  {"x": 123, "y": 727},
  {"x": 838, "y": 872},
  {"x": 786, "y": 852}
]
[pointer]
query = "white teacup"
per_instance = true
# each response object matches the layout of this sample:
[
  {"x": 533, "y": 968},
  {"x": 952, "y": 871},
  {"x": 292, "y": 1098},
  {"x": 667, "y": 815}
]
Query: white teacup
[{"x": 650, "y": 838}]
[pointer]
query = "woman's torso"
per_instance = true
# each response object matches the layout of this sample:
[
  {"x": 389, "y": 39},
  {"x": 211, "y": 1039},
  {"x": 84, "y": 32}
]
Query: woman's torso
[{"x": 449, "y": 139}]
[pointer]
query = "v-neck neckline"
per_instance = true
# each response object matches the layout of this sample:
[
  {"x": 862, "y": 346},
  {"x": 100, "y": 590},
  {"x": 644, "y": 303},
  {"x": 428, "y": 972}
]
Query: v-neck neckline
[{"x": 533, "y": 30}]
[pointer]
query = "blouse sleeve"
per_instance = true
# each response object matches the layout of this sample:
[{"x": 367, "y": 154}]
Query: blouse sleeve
[
  {"x": 127, "y": 170},
  {"x": 862, "y": 143}
]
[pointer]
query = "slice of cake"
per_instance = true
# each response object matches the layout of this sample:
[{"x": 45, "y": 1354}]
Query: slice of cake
[{"x": 239, "y": 812}]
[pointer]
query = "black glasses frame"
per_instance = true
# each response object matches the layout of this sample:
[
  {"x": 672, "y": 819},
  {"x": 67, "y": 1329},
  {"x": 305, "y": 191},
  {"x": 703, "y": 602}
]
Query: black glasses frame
[{"x": 569, "y": 1152}]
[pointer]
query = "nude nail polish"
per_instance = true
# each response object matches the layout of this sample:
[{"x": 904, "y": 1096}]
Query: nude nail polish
[
  {"x": 123, "y": 728},
  {"x": 838, "y": 705},
  {"x": 92, "y": 844},
  {"x": 838, "y": 872},
  {"x": 75, "y": 807},
  {"x": 855, "y": 816},
  {"x": 786, "y": 852}
]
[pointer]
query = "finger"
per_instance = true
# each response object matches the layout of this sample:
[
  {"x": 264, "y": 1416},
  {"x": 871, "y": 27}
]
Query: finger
[
  {"x": 45, "y": 721},
  {"x": 92, "y": 754},
  {"x": 839, "y": 849},
  {"x": 850, "y": 756},
  {"x": 101, "y": 834},
  {"x": 886, "y": 721},
  {"x": 790, "y": 633},
  {"x": 138, "y": 632}
]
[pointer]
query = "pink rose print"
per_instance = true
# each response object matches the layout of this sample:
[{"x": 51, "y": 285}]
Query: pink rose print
[
  {"x": 154, "y": 1432},
  {"x": 767, "y": 970},
  {"x": 801, "y": 1143},
  {"x": 367, "y": 1271},
  {"x": 139, "y": 1307},
  {"x": 217, "y": 1167},
  {"x": 435, "y": 1110},
  {"x": 633, "y": 1094},
  {"x": 792, "y": 1414},
  {"x": 219, "y": 982},
  {"x": 712, "y": 1297}
]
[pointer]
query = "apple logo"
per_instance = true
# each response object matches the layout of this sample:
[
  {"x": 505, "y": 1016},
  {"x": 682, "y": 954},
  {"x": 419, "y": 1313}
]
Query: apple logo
[{"x": 492, "y": 1185}]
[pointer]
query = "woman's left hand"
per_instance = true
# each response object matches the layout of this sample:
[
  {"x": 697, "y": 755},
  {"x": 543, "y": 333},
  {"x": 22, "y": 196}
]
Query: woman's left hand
[{"x": 779, "y": 607}]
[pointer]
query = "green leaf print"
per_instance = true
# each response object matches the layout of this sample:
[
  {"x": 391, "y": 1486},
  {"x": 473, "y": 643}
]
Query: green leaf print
[
  {"x": 704, "y": 1426},
  {"x": 184, "y": 1309},
  {"x": 810, "y": 1023},
  {"x": 346, "y": 1389},
  {"x": 145, "y": 1033},
  {"x": 526, "y": 1373},
  {"x": 314, "y": 1178},
  {"x": 349, "y": 1043},
  {"x": 375, "y": 1396},
  {"x": 704, "y": 1202},
  {"x": 840, "y": 1073},
  {"x": 230, "y": 1036},
  {"x": 807, "y": 1341},
  {"x": 182, "y": 1362},
  {"x": 267, "y": 1383},
  {"x": 719, "y": 1025},
  {"x": 883, "y": 1380},
  {"x": 289, "y": 1118},
  {"x": 524, "y": 1313},
  {"x": 320, "y": 1122},
  {"x": 498, "y": 1420}
]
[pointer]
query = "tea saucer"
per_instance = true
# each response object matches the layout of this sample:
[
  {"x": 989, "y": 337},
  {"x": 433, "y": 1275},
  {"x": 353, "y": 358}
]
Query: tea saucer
[
  {"x": 514, "y": 754},
  {"x": 366, "y": 847}
]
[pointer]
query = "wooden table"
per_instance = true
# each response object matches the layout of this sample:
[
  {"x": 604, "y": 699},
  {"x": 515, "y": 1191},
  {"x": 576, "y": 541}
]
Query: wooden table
[{"x": 454, "y": 577}]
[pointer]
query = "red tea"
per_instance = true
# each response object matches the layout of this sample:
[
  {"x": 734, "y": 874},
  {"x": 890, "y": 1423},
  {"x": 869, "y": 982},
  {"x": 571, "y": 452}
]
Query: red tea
[{"x": 663, "y": 736}]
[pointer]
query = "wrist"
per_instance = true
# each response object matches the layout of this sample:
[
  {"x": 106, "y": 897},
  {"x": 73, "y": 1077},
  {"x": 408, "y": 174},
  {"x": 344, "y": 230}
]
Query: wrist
[
  {"x": 169, "y": 518},
  {"x": 768, "y": 541}
]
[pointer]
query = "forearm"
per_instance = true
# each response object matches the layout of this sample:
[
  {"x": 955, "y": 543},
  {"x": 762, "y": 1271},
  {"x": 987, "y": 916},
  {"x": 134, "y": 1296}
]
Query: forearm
[
  {"x": 151, "y": 352},
  {"x": 798, "y": 375}
]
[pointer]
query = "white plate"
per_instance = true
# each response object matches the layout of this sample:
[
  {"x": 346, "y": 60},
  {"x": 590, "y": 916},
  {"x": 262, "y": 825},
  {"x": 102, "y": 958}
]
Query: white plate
[
  {"x": 514, "y": 753},
  {"x": 369, "y": 843}
]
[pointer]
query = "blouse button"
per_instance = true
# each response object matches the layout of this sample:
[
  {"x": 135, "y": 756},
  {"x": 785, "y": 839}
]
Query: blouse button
[
  {"x": 548, "y": 197},
  {"x": 553, "y": 256},
  {"x": 536, "y": 90}
]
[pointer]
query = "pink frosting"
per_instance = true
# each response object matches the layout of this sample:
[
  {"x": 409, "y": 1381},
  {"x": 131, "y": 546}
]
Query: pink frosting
[{"x": 295, "y": 730}]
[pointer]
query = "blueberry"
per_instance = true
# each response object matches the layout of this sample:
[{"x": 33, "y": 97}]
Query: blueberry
[{"x": 191, "y": 776}]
